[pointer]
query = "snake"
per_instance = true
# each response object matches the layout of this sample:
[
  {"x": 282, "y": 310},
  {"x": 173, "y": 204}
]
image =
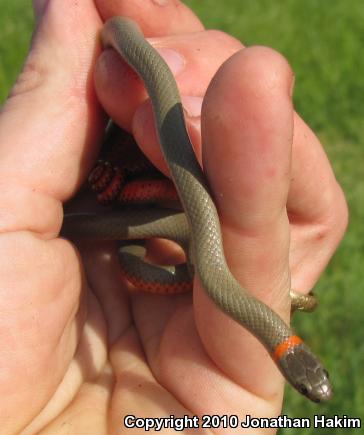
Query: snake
[{"x": 200, "y": 221}]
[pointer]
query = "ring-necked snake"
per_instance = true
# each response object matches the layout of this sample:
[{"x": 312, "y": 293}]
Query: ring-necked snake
[{"x": 200, "y": 221}]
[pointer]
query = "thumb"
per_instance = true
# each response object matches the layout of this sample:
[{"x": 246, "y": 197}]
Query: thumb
[
  {"x": 51, "y": 120},
  {"x": 48, "y": 129}
]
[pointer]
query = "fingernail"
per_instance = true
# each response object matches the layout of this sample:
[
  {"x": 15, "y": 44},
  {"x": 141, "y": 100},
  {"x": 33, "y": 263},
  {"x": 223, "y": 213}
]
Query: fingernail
[
  {"x": 192, "y": 106},
  {"x": 175, "y": 60}
]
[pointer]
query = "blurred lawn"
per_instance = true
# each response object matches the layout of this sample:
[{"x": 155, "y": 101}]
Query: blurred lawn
[
  {"x": 323, "y": 41},
  {"x": 16, "y": 20}
]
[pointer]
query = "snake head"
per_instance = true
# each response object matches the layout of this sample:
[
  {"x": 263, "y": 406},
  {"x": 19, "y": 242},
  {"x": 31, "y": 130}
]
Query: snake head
[{"x": 306, "y": 373}]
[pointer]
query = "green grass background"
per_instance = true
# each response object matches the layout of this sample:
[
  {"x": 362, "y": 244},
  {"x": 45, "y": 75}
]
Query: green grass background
[{"x": 323, "y": 40}]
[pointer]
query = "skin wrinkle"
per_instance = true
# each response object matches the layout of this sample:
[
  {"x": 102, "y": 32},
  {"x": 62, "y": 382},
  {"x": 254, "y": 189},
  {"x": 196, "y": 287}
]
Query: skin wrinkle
[
  {"x": 239, "y": 261},
  {"x": 12, "y": 219}
]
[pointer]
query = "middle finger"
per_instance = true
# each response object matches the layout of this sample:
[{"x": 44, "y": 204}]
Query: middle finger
[{"x": 197, "y": 54}]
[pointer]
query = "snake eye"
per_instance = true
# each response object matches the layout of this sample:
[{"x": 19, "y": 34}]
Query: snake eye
[
  {"x": 326, "y": 373},
  {"x": 302, "y": 389}
]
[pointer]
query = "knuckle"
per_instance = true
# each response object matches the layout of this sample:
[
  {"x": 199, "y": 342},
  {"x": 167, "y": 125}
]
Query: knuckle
[
  {"x": 335, "y": 220},
  {"x": 30, "y": 79},
  {"x": 39, "y": 83},
  {"x": 342, "y": 212}
]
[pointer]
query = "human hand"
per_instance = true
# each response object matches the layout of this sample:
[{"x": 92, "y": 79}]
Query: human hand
[{"x": 91, "y": 342}]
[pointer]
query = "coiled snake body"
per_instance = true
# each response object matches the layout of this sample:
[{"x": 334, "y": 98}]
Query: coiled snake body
[{"x": 298, "y": 364}]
